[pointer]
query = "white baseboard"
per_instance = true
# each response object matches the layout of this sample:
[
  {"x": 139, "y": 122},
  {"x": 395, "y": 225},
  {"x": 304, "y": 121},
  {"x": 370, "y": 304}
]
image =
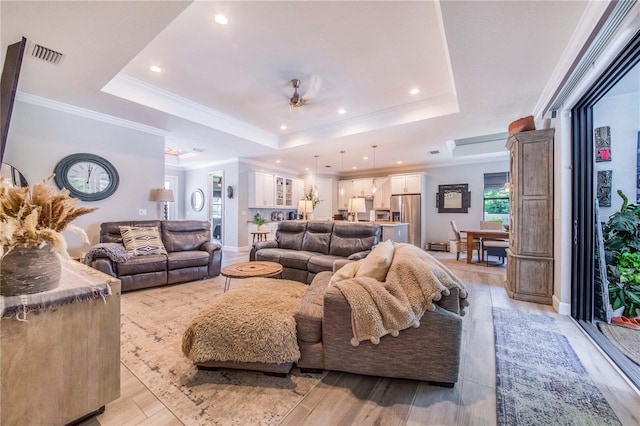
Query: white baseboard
[
  {"x": 561, "y": 307},
  {"x": 236, "y": 249}
]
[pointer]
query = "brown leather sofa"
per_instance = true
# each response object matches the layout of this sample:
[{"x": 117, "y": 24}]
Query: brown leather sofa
[
  {"x": 305, "y": 249},
  {"x": 191, "y": 255}
]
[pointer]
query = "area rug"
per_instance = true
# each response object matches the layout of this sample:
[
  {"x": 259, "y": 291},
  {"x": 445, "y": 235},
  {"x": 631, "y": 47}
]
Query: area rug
[
  {"x": 152, "y": 325},
  {"x": 625, "y": 339},
  {"x": 539, "y": 378}
]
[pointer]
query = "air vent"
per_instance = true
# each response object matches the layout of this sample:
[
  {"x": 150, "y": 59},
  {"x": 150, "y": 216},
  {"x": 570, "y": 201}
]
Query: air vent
[
  {"x": 198, "y": 150},
  {"x": 45, "y": 54},
  {"x": 434, "y": 152}
]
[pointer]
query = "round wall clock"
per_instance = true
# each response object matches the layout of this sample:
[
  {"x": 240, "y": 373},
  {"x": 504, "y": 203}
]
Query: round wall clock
[{"x": 87, "y": 176}]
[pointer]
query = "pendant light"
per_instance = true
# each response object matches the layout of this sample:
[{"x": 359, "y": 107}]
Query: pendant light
[
  {"x": 315, "y": 180},
  {"x": 342, "y": 173},
  {"x": 373, "y": 183}
]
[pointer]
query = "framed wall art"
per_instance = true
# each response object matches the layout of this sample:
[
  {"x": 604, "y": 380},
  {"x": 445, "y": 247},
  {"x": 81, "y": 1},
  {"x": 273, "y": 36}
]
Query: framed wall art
[
  {"x": 604, "y": 187},
  {"x": 602, "y": 138},
  {"x": 453, "y": 198}
]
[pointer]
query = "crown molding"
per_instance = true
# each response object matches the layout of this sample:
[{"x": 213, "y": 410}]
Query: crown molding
[
  {"x": 93, "y": 115},
  {"x": 145, "y": 94}
]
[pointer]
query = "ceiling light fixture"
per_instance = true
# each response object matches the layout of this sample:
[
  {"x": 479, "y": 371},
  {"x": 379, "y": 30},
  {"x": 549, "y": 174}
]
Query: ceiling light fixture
[
  {"x": 221, "y": 19},
  {"x": 414, "y": 91},
  {"x": 398, "y": 162},
  {"x": 373, "y": 182},
  {"x": 341, "y": 111},
  {"x": 283, "y": 127},
  {"x": 278, "y": 161},
  {"x": 155, "y": 68},
  {"x": 341, "y": 173}
]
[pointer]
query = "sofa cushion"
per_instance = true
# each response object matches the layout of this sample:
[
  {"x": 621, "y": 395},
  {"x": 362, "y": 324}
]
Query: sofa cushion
[
  {"x": 185, "y": 235},
  {"x": 349, "y": 238},
  {"x": 296, "y": 259},
  {"x": 110, "y": 231},
  {"x": 141, "y": 241},
  {"x": 187, "y": 259},
  {"x": 142, "y": 264},
  {"x": 317, "y": 237},
  {"x": 290, "y": 234},
  {"x": 377, "y": 263},
  {"x": 270, "y": 254},
  {"x": 346, "y": 272},
  {"x": 308, "y": 315},
  {"x": 322, "y": 262}
]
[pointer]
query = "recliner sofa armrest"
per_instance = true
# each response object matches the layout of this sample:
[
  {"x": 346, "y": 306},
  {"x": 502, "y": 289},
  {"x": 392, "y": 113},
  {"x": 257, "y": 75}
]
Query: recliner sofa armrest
[
  {"x": 359, "y": 255},
  {"x": 260, "y": 245},
  {"x": 215, "y": 258},
  {"x": 104, "y": 264}
]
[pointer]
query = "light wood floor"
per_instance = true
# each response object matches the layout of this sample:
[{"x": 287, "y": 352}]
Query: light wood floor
[{"x": 345, "y": 399}]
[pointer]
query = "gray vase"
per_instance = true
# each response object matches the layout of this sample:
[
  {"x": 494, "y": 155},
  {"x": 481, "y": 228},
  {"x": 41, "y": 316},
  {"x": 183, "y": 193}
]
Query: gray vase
[{"x": 26, "y": 270}]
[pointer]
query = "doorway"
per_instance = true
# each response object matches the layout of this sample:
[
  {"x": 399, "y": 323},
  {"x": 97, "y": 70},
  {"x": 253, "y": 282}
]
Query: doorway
[
  {"x": 216, "y": 205},
  {"x": 603, "y": 161}
]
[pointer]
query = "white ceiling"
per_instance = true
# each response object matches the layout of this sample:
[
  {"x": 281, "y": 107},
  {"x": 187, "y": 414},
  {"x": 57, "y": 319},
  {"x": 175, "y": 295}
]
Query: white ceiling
[{"x": 225, "y": 89}]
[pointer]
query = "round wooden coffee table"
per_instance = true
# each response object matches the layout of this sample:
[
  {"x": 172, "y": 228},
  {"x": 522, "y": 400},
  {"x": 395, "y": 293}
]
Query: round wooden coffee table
[{"x": 249, "y": 270}]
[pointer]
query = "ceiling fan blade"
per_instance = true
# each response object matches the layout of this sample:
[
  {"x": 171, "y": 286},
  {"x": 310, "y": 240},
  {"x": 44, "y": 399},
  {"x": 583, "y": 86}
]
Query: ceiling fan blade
[{"x": 314, "y": 87}]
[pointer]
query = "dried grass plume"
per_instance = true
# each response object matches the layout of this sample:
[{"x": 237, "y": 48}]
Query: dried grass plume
[{"x": 36, "y": 216}]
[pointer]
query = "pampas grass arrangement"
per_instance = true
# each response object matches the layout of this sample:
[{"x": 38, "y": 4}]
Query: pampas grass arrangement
[{"x": 36, "y": 216}]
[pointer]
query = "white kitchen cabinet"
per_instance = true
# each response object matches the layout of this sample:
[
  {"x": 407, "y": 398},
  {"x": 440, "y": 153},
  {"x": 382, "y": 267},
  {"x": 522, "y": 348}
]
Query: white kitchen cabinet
[
  {"x": 383, "y": 194},
  {"x": 407, "y": 184},
  {"x": 261, "y": 190},
  {"x": 362, "y": 187},
  {"x": 284, "y": 192}
]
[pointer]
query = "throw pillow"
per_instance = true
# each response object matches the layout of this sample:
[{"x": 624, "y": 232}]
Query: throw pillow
[
  {"x": 140, "y": 241},
  {"x": 347, "y": 271},
  {"x": 377, "y": 263}
]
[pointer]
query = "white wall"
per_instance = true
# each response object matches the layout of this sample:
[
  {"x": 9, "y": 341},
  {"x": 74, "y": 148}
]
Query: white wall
[
  {"x": 438, "y": 227},
  {"x": 622, "y": 114},
  {"x": 40, "y": 137}
]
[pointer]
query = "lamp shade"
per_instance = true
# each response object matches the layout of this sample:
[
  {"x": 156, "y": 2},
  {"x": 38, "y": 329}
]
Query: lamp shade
[
  {"x": 305, "y": 206},
  {"x": 162, "y": 194},
  {"x": 357, "y": 205}
]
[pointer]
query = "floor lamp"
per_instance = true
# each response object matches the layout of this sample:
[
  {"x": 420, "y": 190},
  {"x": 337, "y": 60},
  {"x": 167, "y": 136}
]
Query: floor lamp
[{"x": 163, "y": 196}]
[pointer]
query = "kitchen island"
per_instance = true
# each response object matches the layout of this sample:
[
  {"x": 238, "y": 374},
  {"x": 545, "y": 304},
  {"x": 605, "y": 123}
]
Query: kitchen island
[{"x": 395, "y": 231}]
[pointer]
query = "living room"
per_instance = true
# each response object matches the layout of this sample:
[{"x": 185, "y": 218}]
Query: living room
[{"x": 50, "y": 121}]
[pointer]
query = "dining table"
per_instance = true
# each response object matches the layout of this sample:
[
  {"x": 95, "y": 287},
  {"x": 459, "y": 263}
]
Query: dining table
[{"x": 493, "y": 234}]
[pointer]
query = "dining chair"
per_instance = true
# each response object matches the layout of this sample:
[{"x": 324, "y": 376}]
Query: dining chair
[
  {"x": 461, "y": 243},
  {"x": 491, "y": 224}
]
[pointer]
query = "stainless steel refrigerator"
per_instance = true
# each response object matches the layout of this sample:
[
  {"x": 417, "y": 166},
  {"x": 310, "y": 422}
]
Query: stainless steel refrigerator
[{"x": 406, "y": 209}]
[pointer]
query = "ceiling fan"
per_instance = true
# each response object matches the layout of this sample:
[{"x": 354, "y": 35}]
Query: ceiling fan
[{"x": 314, "y": 87}]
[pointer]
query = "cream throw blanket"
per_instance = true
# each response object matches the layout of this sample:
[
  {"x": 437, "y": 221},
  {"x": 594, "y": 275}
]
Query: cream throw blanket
[
  {"x": 252, "y": 322},
  {"x": 415, "y": 279}
]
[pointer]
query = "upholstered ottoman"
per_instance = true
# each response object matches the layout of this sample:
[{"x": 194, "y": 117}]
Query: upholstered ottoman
[{"x": 250, "y": 327}]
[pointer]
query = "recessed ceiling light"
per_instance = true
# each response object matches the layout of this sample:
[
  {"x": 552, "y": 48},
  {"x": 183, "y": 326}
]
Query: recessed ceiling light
[
  {"x": 341, "y": 111},
  {"x": 354, "y": 167},
  {"x": 365, "y": 158},
  {"x": 414, "y": 91},
  {"x": 221, "y": 19},
  {"x": 283, "y": 127},
  {"x": 306, "y": 168},
  {"x": 278, "y": 161},
  {"x": 398, "y": 162},
  {"x": 155, "y": 68}
]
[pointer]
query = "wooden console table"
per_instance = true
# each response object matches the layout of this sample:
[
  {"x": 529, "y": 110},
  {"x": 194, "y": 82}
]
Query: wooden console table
[{"x": 64, "y": 362}]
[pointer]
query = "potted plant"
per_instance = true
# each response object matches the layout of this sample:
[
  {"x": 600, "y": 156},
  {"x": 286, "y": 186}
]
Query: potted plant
[
  {"x": 31, "y": 243},
  {"x": 621, "y": 235},
  {"x": 259, "y": 220}
]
